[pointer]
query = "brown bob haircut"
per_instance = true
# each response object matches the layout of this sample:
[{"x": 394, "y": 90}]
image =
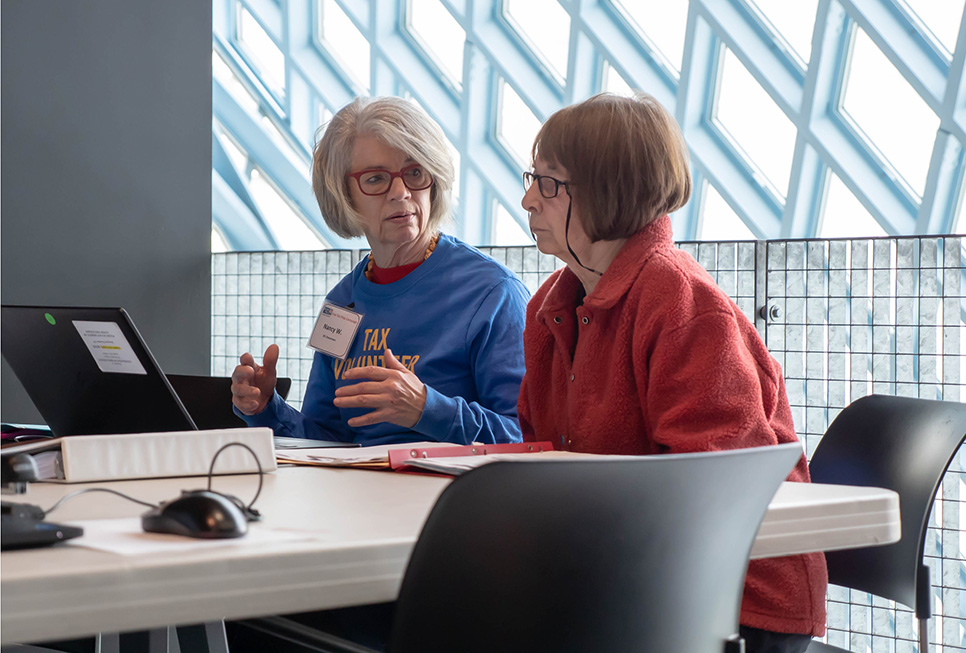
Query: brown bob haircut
[{"x": 626, "y": 160}]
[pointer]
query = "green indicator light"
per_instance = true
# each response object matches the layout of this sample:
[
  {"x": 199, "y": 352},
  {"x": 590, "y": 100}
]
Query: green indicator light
[{"x": 50, "y": 318}]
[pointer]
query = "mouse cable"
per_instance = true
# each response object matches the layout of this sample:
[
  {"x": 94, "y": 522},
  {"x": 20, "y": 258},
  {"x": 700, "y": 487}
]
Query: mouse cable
[
  {"x": 76, "y": 493},
  {"x": 96, "y": 489},
  {"x": 211, "y": 471}
]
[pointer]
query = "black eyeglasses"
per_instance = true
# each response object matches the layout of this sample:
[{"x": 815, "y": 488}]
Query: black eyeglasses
[
  {"x": 376, "y": 181},
  {"x": 549, "y": 187}
]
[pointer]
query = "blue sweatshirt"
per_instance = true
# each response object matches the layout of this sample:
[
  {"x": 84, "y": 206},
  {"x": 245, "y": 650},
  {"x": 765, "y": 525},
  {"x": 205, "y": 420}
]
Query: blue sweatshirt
[{"x": 456, "y": 321}]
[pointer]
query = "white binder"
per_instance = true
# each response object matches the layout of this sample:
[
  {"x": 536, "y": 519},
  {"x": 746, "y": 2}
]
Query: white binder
[{"x": 85, "y": 458}]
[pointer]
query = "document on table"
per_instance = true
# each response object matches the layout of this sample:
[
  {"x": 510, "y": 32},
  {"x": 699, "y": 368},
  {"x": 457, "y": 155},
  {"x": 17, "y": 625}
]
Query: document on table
[
  {"x": 456, "y": 465},
  {"x": 376, "y": 457},
  {"x": 125, "y": 537}
]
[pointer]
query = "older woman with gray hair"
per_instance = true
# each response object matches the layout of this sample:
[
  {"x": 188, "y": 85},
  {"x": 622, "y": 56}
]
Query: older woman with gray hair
[{"x": 431, "y": 348}]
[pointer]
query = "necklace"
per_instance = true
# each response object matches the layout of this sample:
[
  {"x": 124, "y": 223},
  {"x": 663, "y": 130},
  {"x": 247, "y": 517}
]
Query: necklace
[{"x": 429, "y": 250}]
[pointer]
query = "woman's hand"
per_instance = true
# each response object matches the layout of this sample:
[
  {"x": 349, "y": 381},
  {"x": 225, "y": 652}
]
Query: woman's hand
[
  {"x": 252, "y": 385},
  {"x": 396, "y": 394}
]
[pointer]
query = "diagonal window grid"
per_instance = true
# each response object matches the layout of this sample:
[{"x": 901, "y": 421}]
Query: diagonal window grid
[
  {"x": 267, "y": 58},
  {"x": 844, "y": 216},
  {"x": 517, "y": 126},
  {"x": 760, "y": 130},
  {"x": 238, "y": 156},
  {"x": 938, "y": 21},
  {"x": 792, "y": 23},
  {"x": 620, "y": 45},
  {"x": 224, "y": 75},
  {"x": 661, "y": 24},
  {"x": 894, "y": 121},
  {"x": 284, "y": 221},
  {"x": 959, "y": 224},
  {"x": 347, "y": 44},
  {"x": 440, "y": 35},
  {"x": 615, "y": 83},
  {"x": 544, "y": 26},
  {"x": 718, "y": 219},
  {"x": 507, "y": 231}
]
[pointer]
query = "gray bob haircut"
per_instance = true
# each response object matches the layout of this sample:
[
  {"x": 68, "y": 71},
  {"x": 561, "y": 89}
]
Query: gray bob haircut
[{"x": 396, "y": 122}]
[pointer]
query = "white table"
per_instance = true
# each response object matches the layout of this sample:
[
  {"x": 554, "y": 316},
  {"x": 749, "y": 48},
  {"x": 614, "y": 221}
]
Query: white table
[{"x": 363, "y": 525}]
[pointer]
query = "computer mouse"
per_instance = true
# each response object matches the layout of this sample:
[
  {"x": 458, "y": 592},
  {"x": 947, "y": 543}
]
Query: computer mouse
[{"x": 197, "y": 513}]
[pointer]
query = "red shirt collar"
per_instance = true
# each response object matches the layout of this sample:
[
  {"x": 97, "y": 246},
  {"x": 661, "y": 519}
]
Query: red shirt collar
[{"x": 388, "y": 275}]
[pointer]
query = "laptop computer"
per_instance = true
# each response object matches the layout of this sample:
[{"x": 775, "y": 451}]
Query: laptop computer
[{"x": 89, "y": 371}]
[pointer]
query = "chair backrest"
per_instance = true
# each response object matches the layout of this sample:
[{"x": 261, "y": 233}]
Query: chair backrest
[
  {"x": 208, "y": 399},
  {"x": 629, "y": 553},
  {"x": 902, "y": 444}
]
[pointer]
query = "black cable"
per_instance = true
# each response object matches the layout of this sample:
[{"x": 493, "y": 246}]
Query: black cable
[
  {"x": 96, "y": 489},
  {"x": 211, "y": 470},
  {"x": 570, "y": 203}
]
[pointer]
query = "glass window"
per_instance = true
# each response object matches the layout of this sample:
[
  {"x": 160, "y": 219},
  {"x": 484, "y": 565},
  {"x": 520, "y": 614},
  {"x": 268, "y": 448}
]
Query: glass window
[
  {"x": 893, "y": 127},
  {"x": 615, "y": 83},
  {"x": 507, "y": 231},
  {"x": 662, "y": 23},
  {"x": 889, "y": 113},
  {"x": 762, "y": 132},
  {"x": 457, "y": 169},
  {"x": 218, "y": 243},
  {"x": 959, "y": 222},
  {"x": 546, "y": 26},
  {"x": 324, "y": 116},
  {"x": 718, "y": 220},
  {"x": 288, "y": 227},
  {"x": 793, "y": 22},
  {"x": 222, "y": 72},
  {"x": 261, "y": 48},
  {"x": 238, "y": 156},
  {"x": 441, "y": 35},
  {"x": 844, "y": 215},
  {"x": 939, "y": 20},
  {"x": 349, "y": 46},
  {"x": 517, "y": 125}
]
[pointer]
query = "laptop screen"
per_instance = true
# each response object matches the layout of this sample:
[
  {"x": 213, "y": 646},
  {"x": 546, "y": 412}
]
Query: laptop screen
[{"x": 88, "y": 371}]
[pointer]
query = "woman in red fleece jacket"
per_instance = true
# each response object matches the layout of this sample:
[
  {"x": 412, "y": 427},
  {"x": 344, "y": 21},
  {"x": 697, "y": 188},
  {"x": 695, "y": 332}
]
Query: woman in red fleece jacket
[{"x": 632, "y": 348}]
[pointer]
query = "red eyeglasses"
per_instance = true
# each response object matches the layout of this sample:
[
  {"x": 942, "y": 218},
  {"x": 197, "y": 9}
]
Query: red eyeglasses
[{"x": 376, "y": 181}]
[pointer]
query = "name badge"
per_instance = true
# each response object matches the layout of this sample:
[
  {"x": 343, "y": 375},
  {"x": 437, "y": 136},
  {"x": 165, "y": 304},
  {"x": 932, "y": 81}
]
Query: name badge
[{"x": 334, "y": 331}]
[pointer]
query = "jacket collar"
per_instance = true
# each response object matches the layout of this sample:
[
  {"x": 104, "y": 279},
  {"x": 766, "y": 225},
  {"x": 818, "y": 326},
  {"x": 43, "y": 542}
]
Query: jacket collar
[{"x": 618, "y": 277}]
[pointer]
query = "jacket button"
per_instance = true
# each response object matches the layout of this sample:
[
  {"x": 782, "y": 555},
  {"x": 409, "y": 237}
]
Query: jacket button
[
  {"x": 585, "y": 320},
  {"x": 557, "y": 320},
  {"x": 571, "y": 377}
]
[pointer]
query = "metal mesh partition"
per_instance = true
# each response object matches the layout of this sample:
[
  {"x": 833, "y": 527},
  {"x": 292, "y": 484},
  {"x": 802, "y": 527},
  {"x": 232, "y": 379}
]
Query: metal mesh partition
[{"x": 845, "y": 318}]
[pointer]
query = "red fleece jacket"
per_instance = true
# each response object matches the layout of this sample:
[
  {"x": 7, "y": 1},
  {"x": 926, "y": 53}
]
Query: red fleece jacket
[{"x": 658, "y": 359}]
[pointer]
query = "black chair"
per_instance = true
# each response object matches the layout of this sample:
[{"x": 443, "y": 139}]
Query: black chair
[
  {"x": 905, "y": 445},
  {"x": 208, "y": 399},
  {"x": 631, "y": 553}
]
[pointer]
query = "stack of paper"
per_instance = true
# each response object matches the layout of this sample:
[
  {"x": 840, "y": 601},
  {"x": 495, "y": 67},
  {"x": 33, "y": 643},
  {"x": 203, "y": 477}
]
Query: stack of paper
[
  {"x": 375, "y": 457},
  {"x": 456, "y": 465},
  {"x": 435, "y": 457}
]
